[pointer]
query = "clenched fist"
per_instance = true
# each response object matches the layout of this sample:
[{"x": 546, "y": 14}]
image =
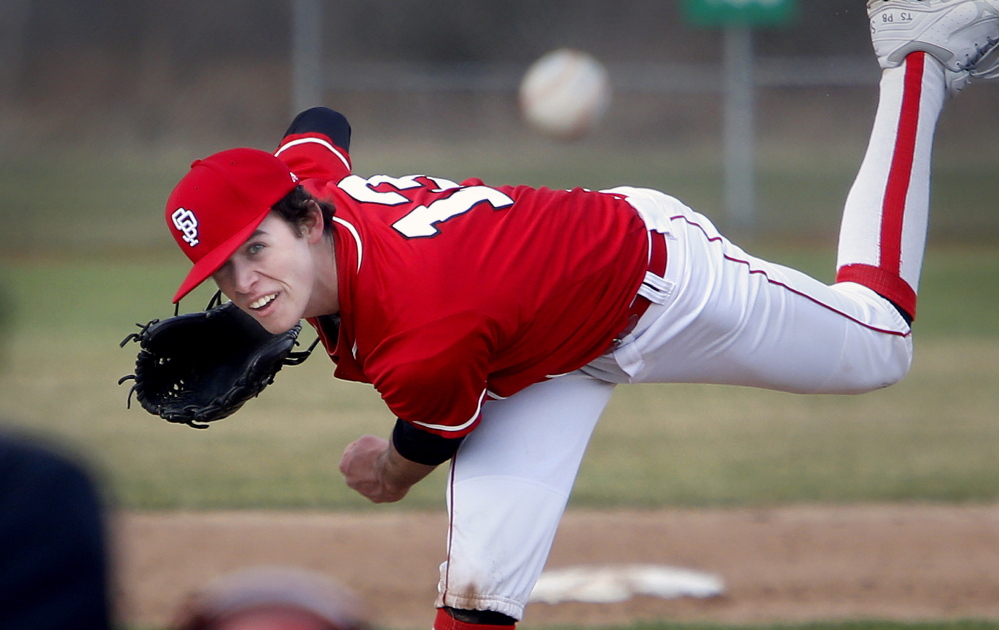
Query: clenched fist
[{"x": 371, "y": 466}]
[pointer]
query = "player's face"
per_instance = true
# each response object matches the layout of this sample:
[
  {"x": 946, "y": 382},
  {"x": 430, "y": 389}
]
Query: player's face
[{"x": 280, "y": 275}]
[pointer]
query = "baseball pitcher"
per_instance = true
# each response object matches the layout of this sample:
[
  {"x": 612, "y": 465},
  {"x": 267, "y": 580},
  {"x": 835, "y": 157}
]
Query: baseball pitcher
[{"x": 496, "y": 321}]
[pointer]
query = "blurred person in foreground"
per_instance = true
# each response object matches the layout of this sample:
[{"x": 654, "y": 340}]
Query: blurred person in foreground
[
  {"x": 272, "y": 598},
  {"x": 53, "y": 535},
  {"x": 496, "y": 321}
]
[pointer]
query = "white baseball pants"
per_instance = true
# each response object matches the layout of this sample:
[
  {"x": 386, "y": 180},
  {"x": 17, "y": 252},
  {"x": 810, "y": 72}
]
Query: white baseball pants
[{"x": 719, "y": 316}]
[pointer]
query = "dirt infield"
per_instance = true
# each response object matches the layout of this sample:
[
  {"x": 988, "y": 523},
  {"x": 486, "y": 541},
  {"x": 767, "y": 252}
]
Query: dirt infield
[{"x": 903, "y": 562}]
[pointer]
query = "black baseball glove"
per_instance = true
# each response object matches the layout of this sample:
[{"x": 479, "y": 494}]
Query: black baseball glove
[{"x": 198, "y": 367}]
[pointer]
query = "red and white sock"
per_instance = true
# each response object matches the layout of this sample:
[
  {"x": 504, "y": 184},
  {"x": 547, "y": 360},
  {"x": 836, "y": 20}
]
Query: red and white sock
[
  {"x": 883, "y": 233},
  {"x": 444, "y": 621}
]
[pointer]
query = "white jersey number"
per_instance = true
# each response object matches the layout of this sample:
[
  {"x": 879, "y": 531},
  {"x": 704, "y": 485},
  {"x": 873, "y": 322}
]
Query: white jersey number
[{"x": 420, "y": 222}]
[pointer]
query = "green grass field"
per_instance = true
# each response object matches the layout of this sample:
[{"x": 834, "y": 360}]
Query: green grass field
[
  {"x": 82, "y": 266},
  {"x": 929, "y": 438}
]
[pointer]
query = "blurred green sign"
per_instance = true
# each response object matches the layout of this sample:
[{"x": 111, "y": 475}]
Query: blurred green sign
[{"x": 738, "y": 12}]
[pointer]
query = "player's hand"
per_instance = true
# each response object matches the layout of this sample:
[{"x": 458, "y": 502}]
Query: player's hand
[
  {"x": 362, "y": 470},
  {"x": 372, "y": 467}
]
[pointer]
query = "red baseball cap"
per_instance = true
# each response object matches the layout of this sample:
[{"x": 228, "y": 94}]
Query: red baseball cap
[{"x": 218, "y": 205}]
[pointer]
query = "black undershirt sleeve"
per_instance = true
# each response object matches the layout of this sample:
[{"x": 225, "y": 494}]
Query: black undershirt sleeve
[
  {"x": 423, "y": 447},
  {"x": 331, "y": 124}
]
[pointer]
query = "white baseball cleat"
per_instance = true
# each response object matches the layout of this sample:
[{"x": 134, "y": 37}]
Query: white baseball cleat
[{"x": 963, "y": 35}]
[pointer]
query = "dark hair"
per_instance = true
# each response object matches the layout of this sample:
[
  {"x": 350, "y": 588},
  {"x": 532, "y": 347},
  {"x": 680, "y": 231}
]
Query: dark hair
[{"x": 295, "y": 206}]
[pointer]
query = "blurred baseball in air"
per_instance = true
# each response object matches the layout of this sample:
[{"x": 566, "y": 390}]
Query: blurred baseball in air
[{"x": 565, "y": 93}]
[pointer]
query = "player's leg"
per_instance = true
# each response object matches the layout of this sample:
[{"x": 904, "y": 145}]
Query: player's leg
[
  {"x": 735, "y": 319},
  {"x": 883, "y": 233},
  {"x": 508, "y": 487}
]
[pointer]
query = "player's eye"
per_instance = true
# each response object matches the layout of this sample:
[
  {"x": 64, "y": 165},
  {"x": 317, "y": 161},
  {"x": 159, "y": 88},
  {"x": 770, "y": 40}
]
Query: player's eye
[{"x": 254, "y": 248}]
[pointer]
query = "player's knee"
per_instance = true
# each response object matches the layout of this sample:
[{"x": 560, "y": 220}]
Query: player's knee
[
  {"x": 900, "y": 361},
  {"x": 889, "y": 368}
]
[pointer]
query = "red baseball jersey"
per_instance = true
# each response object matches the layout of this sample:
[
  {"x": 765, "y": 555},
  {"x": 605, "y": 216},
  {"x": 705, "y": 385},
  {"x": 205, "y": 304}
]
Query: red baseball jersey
[{"x": 454, "y": 293}]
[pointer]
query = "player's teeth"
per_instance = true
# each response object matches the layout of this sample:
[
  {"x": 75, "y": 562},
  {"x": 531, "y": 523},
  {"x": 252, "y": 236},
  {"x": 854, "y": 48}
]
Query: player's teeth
[{"x": 264, "y": 301}]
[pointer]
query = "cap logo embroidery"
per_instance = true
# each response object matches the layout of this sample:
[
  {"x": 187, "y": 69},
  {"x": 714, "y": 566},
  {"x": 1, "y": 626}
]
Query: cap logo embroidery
[{"x": 187, "y": 224}]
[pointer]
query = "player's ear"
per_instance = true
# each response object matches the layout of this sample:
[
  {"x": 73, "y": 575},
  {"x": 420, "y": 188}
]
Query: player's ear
[{"x": 313, "y": 224}]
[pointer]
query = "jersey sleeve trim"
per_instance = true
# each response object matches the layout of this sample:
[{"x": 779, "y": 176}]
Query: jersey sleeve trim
[
  {"x": 319, "y": 141},
  {"x": 443, "y": 428}
]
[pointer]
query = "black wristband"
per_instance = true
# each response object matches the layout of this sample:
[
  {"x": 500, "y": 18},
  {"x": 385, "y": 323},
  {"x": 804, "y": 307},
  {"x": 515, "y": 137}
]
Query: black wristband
[{"x": 423, "y": 447}]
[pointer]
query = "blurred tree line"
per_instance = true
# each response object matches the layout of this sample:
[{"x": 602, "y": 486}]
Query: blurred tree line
[
  {"x": 150, "y": 70},
  {"x": 159, "y": 81}
]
